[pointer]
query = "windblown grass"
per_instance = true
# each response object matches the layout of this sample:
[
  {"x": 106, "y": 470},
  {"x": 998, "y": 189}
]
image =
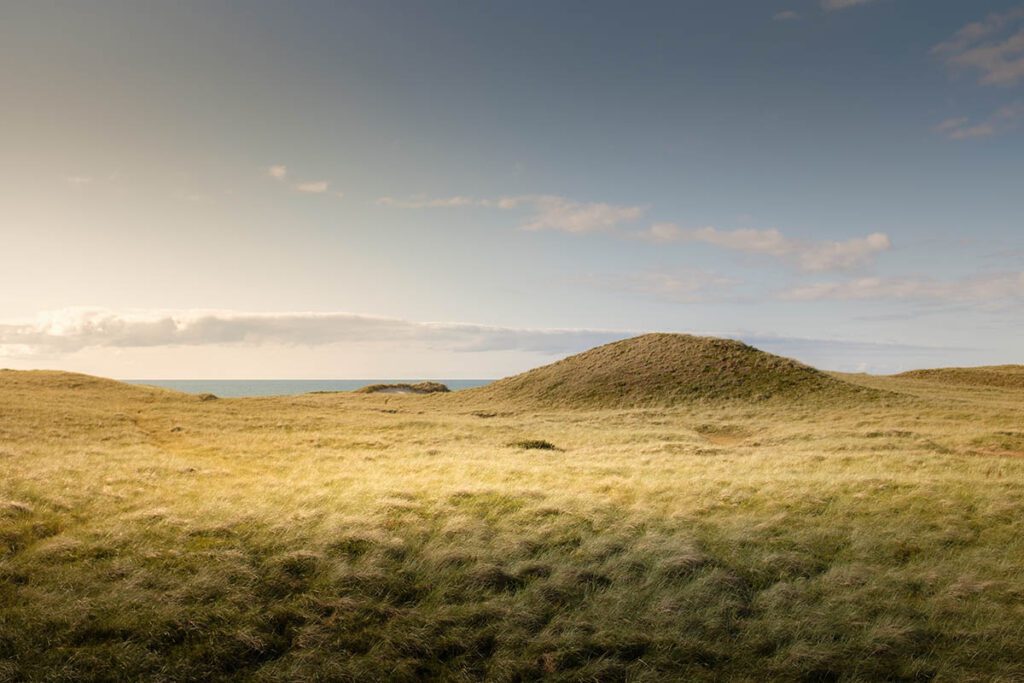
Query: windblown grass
[{"x": 149, "y": 534}]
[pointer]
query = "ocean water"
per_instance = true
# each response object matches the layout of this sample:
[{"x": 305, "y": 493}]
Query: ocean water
[{"x": 229, "y": 388}]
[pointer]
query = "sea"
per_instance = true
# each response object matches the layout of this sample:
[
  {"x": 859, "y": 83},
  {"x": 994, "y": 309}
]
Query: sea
[{"x": 233, "y": 388}]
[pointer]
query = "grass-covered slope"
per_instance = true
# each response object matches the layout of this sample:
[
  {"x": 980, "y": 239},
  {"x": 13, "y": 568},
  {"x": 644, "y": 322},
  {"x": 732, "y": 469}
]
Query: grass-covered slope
[
  {"x": 658, "y": 370},
  {"x": 1001, "y": 376}
]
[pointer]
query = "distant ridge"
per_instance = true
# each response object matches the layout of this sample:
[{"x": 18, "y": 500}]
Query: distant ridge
[
  {"x": 656, "y": 370},
  {"x": 1002, "y": 376}
]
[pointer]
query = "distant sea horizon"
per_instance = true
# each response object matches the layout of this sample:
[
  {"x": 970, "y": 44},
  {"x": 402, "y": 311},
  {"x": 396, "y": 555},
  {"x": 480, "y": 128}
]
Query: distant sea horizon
[{"x": 237, "y": 388}]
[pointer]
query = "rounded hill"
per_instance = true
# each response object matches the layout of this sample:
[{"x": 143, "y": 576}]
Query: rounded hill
[{"x": 657, "y": 370}]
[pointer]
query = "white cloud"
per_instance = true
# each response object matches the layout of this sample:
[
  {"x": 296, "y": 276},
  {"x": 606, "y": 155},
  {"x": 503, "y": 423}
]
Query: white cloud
[
  {"x": 786, "y": 15},
  {"x": 992, "y": 47},
  {"x": 545, "y": 212},
  {"x": 551, "y": 212},
  {"x": 423, "y": 202},
  {"x": 73, "y": 329},
  {"x": 281, "y": 173},
  {"x": 832, "y": 5},
  {"x": 809, "y": 256},
  {"x": 951, "y": 124},
  {"x": 681, "y": 286},
  {"x": 312, "y": 187},
  {"x": 1002, "y": 120},
  {"x": 982, "y": 289},
  {"x": 79, "y": 180}
]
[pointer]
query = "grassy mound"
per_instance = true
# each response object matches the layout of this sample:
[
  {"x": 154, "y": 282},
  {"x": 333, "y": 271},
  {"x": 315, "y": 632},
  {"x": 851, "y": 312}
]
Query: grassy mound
[
  {"x": 1001, "y": 376},
  {"x": 658, "y": 370},
  {"x": 418, "y": 388}
]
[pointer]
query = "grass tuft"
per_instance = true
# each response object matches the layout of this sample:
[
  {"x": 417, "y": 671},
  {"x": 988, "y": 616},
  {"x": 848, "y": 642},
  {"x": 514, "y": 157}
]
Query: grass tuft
[{"x": 534, "y": 444}]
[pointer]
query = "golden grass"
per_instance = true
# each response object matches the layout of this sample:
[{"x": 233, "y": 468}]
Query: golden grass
[{"x": 149, "y": 534}]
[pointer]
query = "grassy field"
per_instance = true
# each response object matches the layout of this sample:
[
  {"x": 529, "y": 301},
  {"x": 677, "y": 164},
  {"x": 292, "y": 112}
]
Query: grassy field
[{"x": 150, "y": 534}]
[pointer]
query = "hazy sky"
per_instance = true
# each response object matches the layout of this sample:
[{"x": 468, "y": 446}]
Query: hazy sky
[{"x": 463, "y": 189}]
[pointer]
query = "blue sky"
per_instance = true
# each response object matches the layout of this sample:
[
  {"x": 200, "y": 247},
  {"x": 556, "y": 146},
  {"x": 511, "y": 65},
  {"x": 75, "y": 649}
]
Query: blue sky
[{"x": 268, "y": 189}]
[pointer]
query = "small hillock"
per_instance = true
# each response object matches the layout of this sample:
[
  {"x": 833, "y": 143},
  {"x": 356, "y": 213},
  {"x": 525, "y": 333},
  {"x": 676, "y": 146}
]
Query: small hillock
[{"x": 657, "y": 370}]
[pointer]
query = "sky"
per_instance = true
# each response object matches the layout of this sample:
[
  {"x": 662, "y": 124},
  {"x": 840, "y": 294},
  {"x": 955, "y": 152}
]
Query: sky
[{"x": 210, "y": 189}]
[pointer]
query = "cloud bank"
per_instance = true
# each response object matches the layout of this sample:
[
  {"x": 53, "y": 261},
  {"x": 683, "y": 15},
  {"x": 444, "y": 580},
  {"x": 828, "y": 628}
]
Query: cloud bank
[
  {"x": 74, "y": 329},
  {"x": 61, "y": 332}
]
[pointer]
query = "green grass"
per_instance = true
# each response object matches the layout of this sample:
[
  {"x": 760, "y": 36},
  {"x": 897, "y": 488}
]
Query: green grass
[{"x": 146, "y": 534}]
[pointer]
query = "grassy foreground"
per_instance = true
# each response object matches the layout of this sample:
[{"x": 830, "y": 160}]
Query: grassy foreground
[{"x": 149, "y": 534}]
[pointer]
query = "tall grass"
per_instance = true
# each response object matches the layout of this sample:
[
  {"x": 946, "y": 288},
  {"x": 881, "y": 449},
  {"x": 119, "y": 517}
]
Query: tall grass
[{"x": 147, "y": 534}]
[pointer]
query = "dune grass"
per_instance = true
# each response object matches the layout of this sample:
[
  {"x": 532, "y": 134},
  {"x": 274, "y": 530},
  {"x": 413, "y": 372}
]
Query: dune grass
[{"x": 149, "y": 534}]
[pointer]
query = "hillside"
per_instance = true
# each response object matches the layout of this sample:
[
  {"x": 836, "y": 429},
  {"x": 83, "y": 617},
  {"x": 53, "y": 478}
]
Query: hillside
[
  {"x": 657, "y": 370},
  {"x": 1001, "y": 376}
]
